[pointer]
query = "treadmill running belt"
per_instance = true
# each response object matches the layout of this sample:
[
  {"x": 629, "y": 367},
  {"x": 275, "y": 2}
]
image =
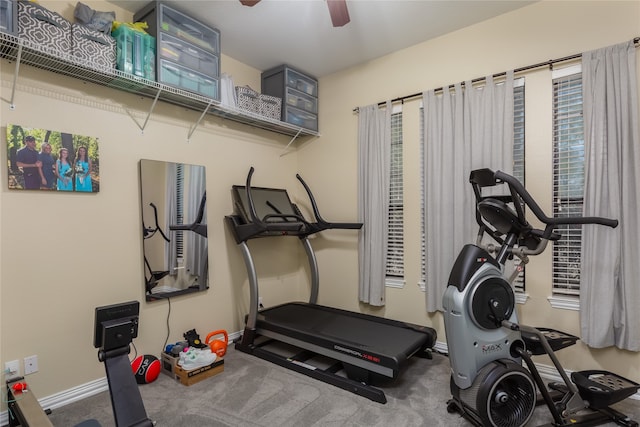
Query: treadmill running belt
[{"x": 384, "y": 337}]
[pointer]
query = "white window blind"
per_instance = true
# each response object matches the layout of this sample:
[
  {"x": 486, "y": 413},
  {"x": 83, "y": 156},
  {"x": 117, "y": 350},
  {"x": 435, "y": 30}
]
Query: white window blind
[
  {"x": 395, "y": 240},
  {"x": 568, "y": 179},
  {"x": 518, "y": 156},
  {"x": 179, "y": 235}
]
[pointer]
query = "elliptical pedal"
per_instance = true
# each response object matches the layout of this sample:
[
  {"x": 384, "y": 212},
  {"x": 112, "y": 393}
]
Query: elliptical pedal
[
  {"x": 602, "y": 388},
  {"x": 556, "y": 339}
]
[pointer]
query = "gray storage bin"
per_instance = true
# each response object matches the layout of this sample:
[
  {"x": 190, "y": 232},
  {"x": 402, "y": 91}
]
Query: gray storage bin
[
  {"x": 299, "y": 93},
  {"x": 46, "y": 30},
  {"x": 270, "y": 106},
  {"x": 248, "y": 99},
  {"x": 93, "y": 48}
]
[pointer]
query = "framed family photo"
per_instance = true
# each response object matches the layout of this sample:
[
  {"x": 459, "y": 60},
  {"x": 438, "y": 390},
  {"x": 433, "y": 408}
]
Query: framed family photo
[{"x": 49, "y": 160}]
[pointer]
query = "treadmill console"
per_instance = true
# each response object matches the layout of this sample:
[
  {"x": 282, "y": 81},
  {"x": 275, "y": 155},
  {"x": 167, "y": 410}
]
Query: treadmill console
[
  {"x": 271, "y": 204},
  {"x": 262, "y": 212}
]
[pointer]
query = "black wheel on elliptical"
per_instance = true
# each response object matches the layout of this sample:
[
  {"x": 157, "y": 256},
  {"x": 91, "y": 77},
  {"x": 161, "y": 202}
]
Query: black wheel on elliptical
[
  {"x": 492, "y": 302},
  {"x": 506, "y": 394}
]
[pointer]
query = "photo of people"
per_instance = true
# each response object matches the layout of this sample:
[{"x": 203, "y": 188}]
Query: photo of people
[{"x": 41, "y": 159}]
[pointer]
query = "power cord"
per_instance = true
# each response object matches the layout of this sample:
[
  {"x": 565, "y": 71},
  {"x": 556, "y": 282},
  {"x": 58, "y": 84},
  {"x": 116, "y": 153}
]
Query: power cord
[{"x": 166, "y": 340}]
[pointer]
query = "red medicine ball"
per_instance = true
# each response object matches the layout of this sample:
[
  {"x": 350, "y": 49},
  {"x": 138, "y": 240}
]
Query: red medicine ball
[{"x": 146, "y": 368}]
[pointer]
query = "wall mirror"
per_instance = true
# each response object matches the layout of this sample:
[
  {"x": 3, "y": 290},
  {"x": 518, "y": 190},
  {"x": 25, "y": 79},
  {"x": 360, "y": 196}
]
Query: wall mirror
[{"x": 174, "y": 228}]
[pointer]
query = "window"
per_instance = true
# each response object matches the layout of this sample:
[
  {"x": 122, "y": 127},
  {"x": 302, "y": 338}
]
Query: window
[
  {"x": 568, "y": 178},
  {"x": 395, "y": 239}
]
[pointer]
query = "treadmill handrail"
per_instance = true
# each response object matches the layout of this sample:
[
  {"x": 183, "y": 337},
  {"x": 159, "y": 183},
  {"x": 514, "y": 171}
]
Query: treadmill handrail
[
  {"x": 245, "y": 223},
  {"x": 320, "y": 223},
  {"x": 196, "y": 226},
  {"x": 149, "y": 232}
]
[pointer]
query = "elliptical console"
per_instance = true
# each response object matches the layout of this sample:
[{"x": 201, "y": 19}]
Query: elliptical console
[{"x": 487, "y": 345}]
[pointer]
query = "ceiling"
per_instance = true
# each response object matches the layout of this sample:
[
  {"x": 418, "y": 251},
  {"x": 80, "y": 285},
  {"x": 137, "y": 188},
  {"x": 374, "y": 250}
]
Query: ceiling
[{"x": 299, "y": 32}]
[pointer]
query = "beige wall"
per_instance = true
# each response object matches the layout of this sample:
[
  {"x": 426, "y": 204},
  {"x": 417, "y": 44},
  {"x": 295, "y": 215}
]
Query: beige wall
[
  {"x": 50, "y": 286},
  {"x": 533, "y": 34},
  {"x": 64, "y": 254}
]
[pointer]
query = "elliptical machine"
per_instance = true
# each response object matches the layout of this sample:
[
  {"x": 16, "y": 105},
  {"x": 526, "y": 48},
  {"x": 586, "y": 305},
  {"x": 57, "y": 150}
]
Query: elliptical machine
[{"x": 489, "y": 384}]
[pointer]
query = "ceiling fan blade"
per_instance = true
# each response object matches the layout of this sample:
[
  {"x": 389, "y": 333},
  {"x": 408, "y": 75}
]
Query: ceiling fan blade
[
  {"x": 339, "y": 13},
  {"x": 249, "y": 3}
]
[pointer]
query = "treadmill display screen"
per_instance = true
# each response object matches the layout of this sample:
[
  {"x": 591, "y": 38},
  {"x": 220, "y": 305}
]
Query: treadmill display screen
[{"x": 267, "y": 201}]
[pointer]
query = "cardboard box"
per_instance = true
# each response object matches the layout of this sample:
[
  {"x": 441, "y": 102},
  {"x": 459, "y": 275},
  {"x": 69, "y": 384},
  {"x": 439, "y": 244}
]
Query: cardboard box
[
  {"x": 197, "y": 375},
  {"x": 169, "y": 364}
]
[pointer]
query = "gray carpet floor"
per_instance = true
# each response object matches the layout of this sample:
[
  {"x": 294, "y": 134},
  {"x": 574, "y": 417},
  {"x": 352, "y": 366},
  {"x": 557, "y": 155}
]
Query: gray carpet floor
[{"x": 253, "y": 392}]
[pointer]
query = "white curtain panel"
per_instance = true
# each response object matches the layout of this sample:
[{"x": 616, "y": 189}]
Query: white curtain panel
[
  {"x": 609, "y": 291},
  {"x": 465, "y": 128},
  {"x": 374, "y": 157}
]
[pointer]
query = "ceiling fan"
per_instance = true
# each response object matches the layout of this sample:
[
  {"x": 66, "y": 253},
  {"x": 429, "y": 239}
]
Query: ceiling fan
[{"x": 337, "y": 10}]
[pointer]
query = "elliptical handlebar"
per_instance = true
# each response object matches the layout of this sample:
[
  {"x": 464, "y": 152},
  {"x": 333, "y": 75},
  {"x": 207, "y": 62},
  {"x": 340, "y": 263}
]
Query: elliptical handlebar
[
  {"x": 539, "y": 213},
  {"x": 488, "y": 178}
]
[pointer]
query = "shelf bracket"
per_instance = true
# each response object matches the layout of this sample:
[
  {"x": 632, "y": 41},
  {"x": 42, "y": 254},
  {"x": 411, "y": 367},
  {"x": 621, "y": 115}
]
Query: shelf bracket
[
  {"x": 291, "y": 142},
  {"x": 12, "y": 106},
  {"x": 193, "y": 128},
  {"x": 153, "y": 106}
]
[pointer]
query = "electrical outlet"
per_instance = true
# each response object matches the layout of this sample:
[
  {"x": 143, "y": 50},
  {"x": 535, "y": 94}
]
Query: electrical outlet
[
  {"x": 12, "y": 368},
  {"x": 30, "y": 365}
]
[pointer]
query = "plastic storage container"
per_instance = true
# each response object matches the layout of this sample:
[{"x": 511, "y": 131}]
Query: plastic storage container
[
  {"x": 135, "y": 52},
  {"x": 298, "y": 99},
  {"x": 178, "y": 51},
  {"x": 184, "y": 78},
  {"x": 186, "y": 45},
  {"x": 300, "y": 118},
  {"x": 8, "y": 16},
  {"x": 299, "y": 92}
]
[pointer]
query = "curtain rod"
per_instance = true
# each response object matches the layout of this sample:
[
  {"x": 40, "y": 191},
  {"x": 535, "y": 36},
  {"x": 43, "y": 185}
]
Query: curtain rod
[{"x": 548, "y": 63}]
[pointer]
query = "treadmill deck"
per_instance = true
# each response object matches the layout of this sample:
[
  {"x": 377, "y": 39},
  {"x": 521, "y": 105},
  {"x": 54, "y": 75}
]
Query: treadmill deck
[{"x": 358, "y": 337}]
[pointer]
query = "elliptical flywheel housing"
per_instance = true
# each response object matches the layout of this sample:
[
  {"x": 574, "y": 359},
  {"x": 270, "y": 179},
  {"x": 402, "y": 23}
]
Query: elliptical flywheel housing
[{"x": 502, "y": 395}]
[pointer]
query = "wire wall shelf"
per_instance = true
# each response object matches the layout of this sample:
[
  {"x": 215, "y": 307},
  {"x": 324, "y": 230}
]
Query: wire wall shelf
[{"x": 22, "y": 51}]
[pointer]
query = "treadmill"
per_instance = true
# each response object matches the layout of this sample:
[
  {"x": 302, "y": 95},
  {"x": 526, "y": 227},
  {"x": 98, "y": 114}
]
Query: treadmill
[{"x": 350, "y": 350}]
